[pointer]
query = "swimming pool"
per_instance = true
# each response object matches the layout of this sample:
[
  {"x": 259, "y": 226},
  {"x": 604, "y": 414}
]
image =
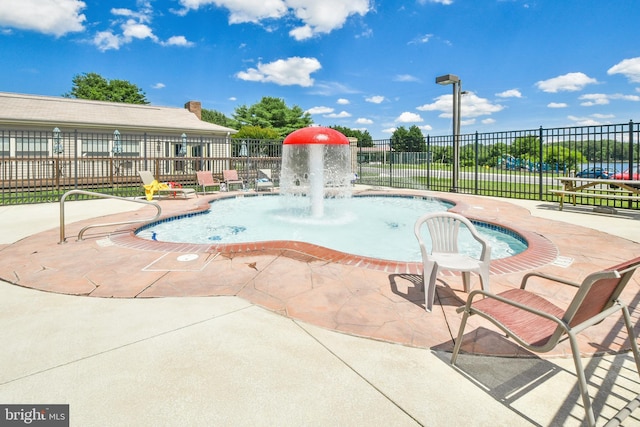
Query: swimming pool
[{"x": 371, "y": 226}]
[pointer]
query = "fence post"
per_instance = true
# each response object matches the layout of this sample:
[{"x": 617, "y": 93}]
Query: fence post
[
  {"x": 629, "y": 202},
  {"x": 75, "y": 159},
  {"x": 477, "y": 159},
  {"x": 540, "y": 175},
  {"x": 429, "y": 159},
  {"x": 630, "y": 149},
  {"x": 145, "y": 150},
  {"x": 390, "y": 166}
]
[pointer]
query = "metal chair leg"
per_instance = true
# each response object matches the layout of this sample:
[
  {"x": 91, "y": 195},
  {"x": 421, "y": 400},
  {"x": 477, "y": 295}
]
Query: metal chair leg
[
  {"x": 456, "y": 347},
  {"x": 582, "y": 380}
]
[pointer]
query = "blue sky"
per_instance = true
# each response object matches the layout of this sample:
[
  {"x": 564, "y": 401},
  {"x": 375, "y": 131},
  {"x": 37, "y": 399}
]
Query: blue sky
[{"x": 364, "y": 64}]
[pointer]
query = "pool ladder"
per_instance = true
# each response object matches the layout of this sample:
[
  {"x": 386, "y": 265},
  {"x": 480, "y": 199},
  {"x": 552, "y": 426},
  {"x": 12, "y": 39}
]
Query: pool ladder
[{"x": 104, "y": 196}]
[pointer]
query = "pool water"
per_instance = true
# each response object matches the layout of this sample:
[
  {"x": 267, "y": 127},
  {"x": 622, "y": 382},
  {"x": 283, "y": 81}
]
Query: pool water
[{"x": 372, "y": 226}]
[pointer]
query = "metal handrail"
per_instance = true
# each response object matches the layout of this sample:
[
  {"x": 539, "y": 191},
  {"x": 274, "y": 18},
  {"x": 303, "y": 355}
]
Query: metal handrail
[{"x": 105, "y": 196}]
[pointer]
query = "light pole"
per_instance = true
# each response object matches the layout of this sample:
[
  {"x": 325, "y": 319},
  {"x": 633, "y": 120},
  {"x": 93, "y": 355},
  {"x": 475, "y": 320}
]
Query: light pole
[{"x": 457, "y": 91}]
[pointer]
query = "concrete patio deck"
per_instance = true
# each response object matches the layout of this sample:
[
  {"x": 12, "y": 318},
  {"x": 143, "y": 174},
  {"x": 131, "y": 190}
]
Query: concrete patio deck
[{"x": 208, "y": 352}]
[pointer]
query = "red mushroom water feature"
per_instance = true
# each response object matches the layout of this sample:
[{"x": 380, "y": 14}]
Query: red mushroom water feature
[{"x": 316, "y": 163}]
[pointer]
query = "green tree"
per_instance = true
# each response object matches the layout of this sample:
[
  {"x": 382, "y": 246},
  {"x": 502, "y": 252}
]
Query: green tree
[
  {"x": 468, "y": 155},
  {"x": 217, "y": 118},
  {"x": 563, "y": 157},
  {"x": 95, "y": 87},
  {"x": 442, "y": 154},
  {"x": 364, "y": 138},
  {"x": 256, "y": 132},
  {"x": 272, "y": 113},
  {"x": 408, "y": 140},
  {"x": 526, "y": 147},
  {"x": 495, "y": 152}
]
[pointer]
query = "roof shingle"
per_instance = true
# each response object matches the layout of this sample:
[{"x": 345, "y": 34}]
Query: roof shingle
[{"x": 53, "y": 111}]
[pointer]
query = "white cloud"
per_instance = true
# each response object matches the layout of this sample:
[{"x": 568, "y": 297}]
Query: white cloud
[
  {"x": 421, "y": 39},
  {"x": 136, "y": 30},
  {"x": 376, "y": 99},
  {"x": 488, "y": 121},
  {"x": 141, "y": 16},
  {"x": 283, "y": 72},
  {"x": 584, "y": 121},
  {"x": 54, "y": 17},
  {"x": 408, "y": 117},
  {"x": 511, "y": 93},
  {"x": 343, "y": 101},
  {"x": 444, "y": 2},
  {"x": 389, "y": 130},
  {"x": 625, "y": 97},
  {"x": 569, "y": 82},
  {"x": 426, "y": 128},
  {"x": 316, "y": 17},
  {"x": 133, "y": 25},
  {"x": 232, "y": 98},
  {"x": 405, "y": 78},
  {"x": 630, "y": 68},
  {"x": 322, "y": 17},
  {"x": 158, "y": 86},
  {"x": 320, "y": 110},
  {"x": 364, "y": 121},
  {"x": 177, "y": 41},
  {"x": 241, "y": 11},
  {"x": 603, "y": 116},
  {"x": 340, "y": 115},
  {"x": 301, "y": 33},
  {"x": 105, "y": 40},
  {"x": 557, "y": 105},
  {"x": 471, "y": 106},
  {"x": 592, "y": 99}
]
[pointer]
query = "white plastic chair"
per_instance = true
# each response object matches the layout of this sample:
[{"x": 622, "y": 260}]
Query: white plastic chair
[{"x": 443, "y": 229}]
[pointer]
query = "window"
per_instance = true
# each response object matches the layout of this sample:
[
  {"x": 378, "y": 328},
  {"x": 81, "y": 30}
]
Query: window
[
  {"x": 95, "y": 147},
  {"x": 4, "y": 146},
  {"x": 31, "y": 146},
  {"x": 130, "y": 148}
]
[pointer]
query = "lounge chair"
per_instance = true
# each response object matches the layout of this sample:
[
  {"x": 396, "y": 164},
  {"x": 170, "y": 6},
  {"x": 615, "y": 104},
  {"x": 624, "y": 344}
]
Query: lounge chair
[
  {"x": 539, "y": 325},
  {"x": 230, "y": 177},
  {"x": 263, "y": 181},
  {"x": 151, "y": 185},
  {"x": 443, "y": 229},
  {"x": 206, "y": 179}
]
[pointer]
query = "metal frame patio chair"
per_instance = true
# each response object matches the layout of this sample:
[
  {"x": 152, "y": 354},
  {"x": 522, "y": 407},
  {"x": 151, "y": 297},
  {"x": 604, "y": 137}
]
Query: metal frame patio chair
[
  {"x": 230, "y": 177},
  {"x": 539, "y": 326},
  {"x": 206, "y": 179}
]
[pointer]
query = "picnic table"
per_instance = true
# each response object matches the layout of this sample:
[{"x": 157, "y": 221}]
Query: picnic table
[{"x": 599, "y": 188}]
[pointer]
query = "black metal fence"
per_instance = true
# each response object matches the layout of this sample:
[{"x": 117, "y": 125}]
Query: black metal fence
[
  {"x": 39, "y": 166},
  {"x": 519, "y": 164}
]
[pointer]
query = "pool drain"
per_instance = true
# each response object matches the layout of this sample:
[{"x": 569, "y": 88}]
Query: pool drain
[{"x": 187, "y": 257}]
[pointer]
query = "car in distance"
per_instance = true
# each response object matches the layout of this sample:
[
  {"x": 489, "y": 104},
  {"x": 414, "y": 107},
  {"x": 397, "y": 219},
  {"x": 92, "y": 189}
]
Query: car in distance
[
  {"x": 627, "y": 176},
  {"x": 597, "y": 173}
]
